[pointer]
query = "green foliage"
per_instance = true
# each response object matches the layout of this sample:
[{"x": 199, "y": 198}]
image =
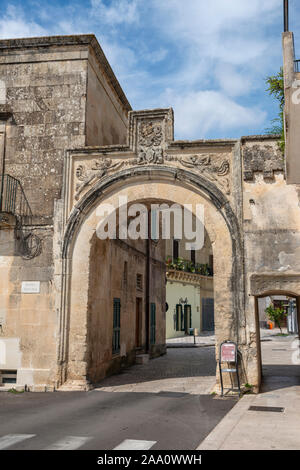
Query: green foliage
[
  {"x": 277, "y": 315},
  {"x": 180, "y": 264},
  {"x": 276, "y": 88},
  {"x": 14, "y": 391}
]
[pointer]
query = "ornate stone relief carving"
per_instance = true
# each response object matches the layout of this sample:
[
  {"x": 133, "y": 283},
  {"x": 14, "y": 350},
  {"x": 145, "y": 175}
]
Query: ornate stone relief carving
[
  {"x": 262, "y": 158},
  {"x": 150, "y": 137},
  {"x": 149, "y": 146},
  {"x": 98, "y": 170},
  {"x": 206, "y": 165}
]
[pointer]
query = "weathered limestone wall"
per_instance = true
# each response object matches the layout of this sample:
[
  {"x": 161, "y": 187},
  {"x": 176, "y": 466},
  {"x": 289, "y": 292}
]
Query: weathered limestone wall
[
  {"x": 108, "y": 281},
  {"x": 44, "y": 92},
  {"x": 271, "y": 231},
  {"x": 106, "y": 118}
]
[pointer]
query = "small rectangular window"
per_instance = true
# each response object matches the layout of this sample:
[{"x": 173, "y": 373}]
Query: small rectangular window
[
  {"x": 139, "y": 282},
  {"x": 116, "y": 326},
  {"x": 175, "y": 249},
  {"x": 193, "y": 256}
]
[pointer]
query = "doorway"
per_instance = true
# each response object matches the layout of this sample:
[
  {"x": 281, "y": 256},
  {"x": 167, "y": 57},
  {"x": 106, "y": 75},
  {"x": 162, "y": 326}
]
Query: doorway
[{"x": 278, "y": 344}]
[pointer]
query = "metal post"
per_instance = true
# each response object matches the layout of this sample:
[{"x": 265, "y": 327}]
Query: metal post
[{"x": 286, "y": 15}]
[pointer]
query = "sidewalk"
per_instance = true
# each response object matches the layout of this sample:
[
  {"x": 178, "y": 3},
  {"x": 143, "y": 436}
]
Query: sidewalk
[
  {"x": 203, "y": 339},
  {"x": 244, "y": 429}
]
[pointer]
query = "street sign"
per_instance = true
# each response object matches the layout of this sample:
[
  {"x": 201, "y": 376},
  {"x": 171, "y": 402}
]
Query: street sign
[
  {"x": 30, "y": 287},
  {"x": 228, "y": 352}
]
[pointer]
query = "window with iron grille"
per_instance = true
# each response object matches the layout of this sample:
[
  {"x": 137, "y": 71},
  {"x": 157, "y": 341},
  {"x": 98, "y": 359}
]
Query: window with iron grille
[
  {"x": 139, "y": 282},
  {"x": 116, "y": 326},
  {"x": 152, "y": 323}
]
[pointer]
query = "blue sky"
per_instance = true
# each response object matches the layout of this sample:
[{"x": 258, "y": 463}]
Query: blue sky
[{"x": 206, "y": 59}]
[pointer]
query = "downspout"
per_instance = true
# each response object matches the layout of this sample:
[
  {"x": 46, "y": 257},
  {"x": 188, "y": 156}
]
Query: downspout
[
  {"x": 148, "y": 280},
  {"x": 3, "y": 168}
]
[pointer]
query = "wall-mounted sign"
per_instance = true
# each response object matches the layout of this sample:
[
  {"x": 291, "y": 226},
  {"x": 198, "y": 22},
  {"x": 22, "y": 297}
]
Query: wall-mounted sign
[
  {"x": 228, "y": 352},
  {"x": 30, "y": 287}
]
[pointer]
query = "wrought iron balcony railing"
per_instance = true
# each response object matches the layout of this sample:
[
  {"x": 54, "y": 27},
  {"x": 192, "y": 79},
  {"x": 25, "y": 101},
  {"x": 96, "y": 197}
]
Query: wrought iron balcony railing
[{"x": 12, "y": 198}]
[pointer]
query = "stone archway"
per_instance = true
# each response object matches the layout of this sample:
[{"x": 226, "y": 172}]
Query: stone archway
[
  {"x": 266, "y": 284},
  {"x": 142, "y": 184}
]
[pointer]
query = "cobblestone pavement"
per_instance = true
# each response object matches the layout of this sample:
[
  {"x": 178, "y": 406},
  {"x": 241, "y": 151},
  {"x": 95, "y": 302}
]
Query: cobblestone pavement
[{"x": 187, "y": 370}]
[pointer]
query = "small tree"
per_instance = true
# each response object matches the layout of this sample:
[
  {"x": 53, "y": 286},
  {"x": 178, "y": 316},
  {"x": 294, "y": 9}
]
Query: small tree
[
  {"x": 277, "y": 315},
  {"x": 276, "y": 88}
]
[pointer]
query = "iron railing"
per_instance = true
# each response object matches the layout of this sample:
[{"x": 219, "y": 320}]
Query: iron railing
[
  {"x": 297, "y": 66},
  {"x": 12, "y": 197}
]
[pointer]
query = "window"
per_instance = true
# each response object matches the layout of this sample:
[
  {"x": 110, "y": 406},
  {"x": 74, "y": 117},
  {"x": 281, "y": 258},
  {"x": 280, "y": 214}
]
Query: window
[
  {"x": 193, "y": 256},
  {"x": 175, "y": 249},
  {"x": 152, "y": 323},
  {"x": 139, "y": 282},
  {"x": 116, "y": 326},
  {"x": 178, "y": 317},
  {"x": 187, "y": 318}
]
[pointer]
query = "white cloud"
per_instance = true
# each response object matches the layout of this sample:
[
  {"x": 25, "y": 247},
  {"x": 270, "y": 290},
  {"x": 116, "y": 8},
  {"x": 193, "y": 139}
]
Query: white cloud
[
  {"x": 14, "y": 24},
  {"x": 200, "y": 113},
  {"x": 203, "y": 58},
  {"x": 120, "y": 11}
]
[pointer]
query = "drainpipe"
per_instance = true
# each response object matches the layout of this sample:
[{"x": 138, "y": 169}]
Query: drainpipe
[
  {"x": 148, "y": 280},
  {"x": 3, "y": 168}
]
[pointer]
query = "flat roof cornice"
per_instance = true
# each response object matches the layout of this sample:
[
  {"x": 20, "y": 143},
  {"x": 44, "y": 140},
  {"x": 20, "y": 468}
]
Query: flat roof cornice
[{"x": 7, "y": 45}]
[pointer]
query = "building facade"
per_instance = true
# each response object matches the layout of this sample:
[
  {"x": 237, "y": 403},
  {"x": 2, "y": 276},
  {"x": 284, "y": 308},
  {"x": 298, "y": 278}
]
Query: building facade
[
  {"x": 75, "y": 308},
  {"x": 189, "y": 289}
]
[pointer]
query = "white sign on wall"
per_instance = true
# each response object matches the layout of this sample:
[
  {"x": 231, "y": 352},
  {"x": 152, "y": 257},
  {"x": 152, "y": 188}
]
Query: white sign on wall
[{"x": 30, "y": 287}]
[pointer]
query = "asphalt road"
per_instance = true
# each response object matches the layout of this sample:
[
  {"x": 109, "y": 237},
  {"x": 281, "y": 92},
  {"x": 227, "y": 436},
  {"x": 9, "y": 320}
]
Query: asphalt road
[{"x": 99, "y": 420}]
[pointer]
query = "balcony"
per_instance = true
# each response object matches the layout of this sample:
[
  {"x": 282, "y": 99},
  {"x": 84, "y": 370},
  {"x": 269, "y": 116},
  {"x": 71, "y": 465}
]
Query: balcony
[
  {"x": 13, "y": 202},
  {"x": 188, "y": 267}
]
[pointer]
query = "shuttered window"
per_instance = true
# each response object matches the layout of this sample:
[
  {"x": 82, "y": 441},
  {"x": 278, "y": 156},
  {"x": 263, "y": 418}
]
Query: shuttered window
[
  {"x": 116, "y": 326},
  {"x": 187, "y": 318},
  {"x": 179, "y": 317},
  {"x": 152, "y": 323}
]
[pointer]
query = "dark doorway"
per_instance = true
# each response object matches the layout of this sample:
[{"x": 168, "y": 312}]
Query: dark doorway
[{"x": 208, "y": 322}]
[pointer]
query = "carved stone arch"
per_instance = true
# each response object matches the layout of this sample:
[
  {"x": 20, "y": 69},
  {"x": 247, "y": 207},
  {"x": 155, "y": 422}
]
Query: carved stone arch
[{"x": 193, "y": 183}]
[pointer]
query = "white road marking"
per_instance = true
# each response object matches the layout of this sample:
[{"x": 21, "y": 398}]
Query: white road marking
[
  {"x": 69, "y": 443},
  {"x": 12, "y": 439},
  {"x": 131, "y": 444}
]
